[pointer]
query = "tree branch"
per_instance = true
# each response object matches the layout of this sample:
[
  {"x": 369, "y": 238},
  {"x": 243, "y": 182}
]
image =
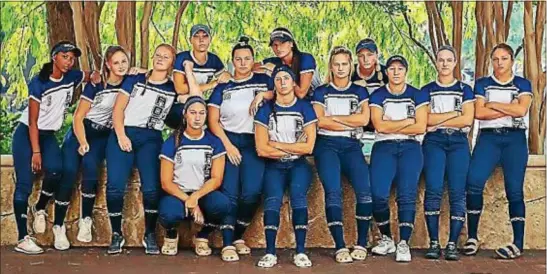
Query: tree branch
[
  {"x": 540, "y": 27},
  {"x": 418, "y": 43},
  {"x": 180, "y": 11},
  {"x": 508, "y": 18}
]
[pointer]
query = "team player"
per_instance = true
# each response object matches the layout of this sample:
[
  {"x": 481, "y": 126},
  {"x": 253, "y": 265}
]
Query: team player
[
  {"x": 502, "y": 104},
  {"x": 446, "y": 151},
  {"x": 208, "y": 70},
  {"x": 231, "y": 119},
  {"x": 35, "y": 148},
  {"x": 342, "y": 111},
  {"x": 285, "y": 131},
  {"x": 301, "y": 63},
  {"x": 140, "y": 108},
  {"x": 192, "y": 167},
  {"x": 399, "y": 113}
]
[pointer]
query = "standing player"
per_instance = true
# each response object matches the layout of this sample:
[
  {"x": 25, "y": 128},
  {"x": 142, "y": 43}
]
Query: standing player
[
  {"x": 35, "y": 148},
  {"x": 399, "y": 113},
  {"x": 502, "y": 105},
  {"x": 141, "y": 106},
  {"x": 208, "y": 70},
  {"x": 342, "y": 110},
  {"x": 231, "y": 120},
  {"x": 446, "y": 151},
  {"x": 285, "y": 131}
]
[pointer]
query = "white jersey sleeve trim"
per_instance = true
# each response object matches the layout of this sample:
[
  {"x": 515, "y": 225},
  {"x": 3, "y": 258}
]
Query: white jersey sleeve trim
[
  {"x": 318, "y": 103},
  {"x": 310, "y": 122},
  {"x": 376, "y": 106},
  {"x": 219, "y": 155},
  {"x": 526, "y": 93},
  {"x": 86, "y": 98},
  {"x": 308, "y": 70},
  {"x": 213, "y": 105},
  {"x": 35, "y": 99},
  {"x": 422, "y": 104},
  {"x": 363, "y": 101},
  {"x": 179, "y": 71},
  {"x": 260, "y": 123},
  {"x": 480, "y": 96},
  {"x": 163, "y": 156},
  {"x": 469, "y": 101},
  {"x": 125, "y": 92}
]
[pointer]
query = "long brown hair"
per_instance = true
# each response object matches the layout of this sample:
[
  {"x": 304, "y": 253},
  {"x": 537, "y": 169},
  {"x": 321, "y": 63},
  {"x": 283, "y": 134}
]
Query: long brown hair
[{"x": 110, "y": 51}]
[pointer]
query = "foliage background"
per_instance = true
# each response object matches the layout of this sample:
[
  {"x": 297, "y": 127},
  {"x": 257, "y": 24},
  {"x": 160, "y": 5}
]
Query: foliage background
[{"x": 317, "y": 27}]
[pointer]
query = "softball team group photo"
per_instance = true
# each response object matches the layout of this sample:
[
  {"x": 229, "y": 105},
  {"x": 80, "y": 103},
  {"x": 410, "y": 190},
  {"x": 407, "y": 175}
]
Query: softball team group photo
[{"x": 240, "y": 138}]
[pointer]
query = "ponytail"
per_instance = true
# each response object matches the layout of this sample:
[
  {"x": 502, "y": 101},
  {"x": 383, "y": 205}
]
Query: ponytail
[
  {"x": 296, "y": 59},
  {"x": 243, "y": 43},
  {"x": 46, "y": 71}
]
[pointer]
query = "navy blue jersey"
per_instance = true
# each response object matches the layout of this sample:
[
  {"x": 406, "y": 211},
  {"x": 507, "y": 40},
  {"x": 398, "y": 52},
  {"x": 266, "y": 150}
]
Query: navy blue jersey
[
  {"x": 448, "y": 98},
  {"x": 204, "y": 72},
  {"x": 234, "y": 99},
  {"x": 398, "y": 107},
  {"x": 285, "y": 124},
  {"x": 149, "y": 102},
  {"x": 54, "y": 96},
  {"x": 493, "y": 90},
  {"x": 341, "y": 101},
  {"x": 193, "y": 159},
  {"x": 307, "y": 64}
]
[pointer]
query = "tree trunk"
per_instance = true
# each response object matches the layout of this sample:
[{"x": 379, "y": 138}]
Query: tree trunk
[
  {"x": 508, "y": 19},
  {"x": 457, "y": 24},
  {"x": 182, "y": 8},
  {"x": 60, "y": 25},
  {"x": 125, "y": 27},
  {"x": 80, "y": 33},
  {"x": 91, "y": 16},
  {"x": 479, "y": 43},
  {"x": 500, "y": 23},
  {"x": 145, "y": 47},
  {"x": 490, "y": 35},
  {"x": 532, "y": 70}
]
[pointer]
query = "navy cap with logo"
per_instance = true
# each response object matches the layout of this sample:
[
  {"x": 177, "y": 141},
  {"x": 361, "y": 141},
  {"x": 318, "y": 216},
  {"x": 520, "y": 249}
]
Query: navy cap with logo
[
  {"x": 280, "y": 68},
  {"x": 396, "y": 58},
  {"x": 200, "y": 27},
  {"x": 367, "y": 44},
  {"x": 65, "y": 46},
  {"x": 280, "y": 34}
]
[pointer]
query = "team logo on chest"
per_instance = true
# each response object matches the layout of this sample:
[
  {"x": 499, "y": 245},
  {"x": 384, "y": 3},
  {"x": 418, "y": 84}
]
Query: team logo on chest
[
  {"x": 48, "y": 101},
  {"x": 458, "y": 104},
  {"x": 98, "y": 99},
  {"x": 299, "y": 128},
  {"x": 178, "y": 158},
  {"x": 353, "y": 106},
  {"x": 226, "y": 96},
  {"x": 410, "y": 111}
]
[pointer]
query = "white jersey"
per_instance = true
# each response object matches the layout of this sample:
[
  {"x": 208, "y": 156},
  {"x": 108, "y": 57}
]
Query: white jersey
[
  {"x": 54, "y": 96},
  {"x": 102, "y": 101},
  {"x": 149, "y": 103}
]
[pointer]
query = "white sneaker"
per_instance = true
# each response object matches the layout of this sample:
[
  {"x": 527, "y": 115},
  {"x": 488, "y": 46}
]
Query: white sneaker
[
  {"x": 28, "y": 246},
  {"x": 385, "y": 246},
  {"x": 60, "y": 239},
  {"x": 39, "y": 223},
  {"x": 84, "y": 230},
  {"x": 267, "y": 261},
  {"x": 302, "y": 260},
  {"x": 403, "y": 252}
]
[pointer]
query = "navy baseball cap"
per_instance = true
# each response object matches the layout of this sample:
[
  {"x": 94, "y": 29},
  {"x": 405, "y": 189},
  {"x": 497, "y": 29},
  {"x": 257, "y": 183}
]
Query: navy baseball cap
[
  {"x": 196, "y": 28},
  {"x": 284, "y": 68},
  {"x": 396, "y": 58},
  {"x": 281, "y": 34},
  {"x": 65, "y": 46},
  {"x": 368, "y": 44}
]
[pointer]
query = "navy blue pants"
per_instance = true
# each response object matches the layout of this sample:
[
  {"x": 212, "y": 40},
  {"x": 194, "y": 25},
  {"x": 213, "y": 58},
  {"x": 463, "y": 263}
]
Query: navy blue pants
[
  {"x": 146, "y": 144},
  {"x": 215, "y": 207},
  {"x": 243, "y": 186},
  {"x": 52, "y": 167},
  {"x": 91, "y": 163},
  {"x": 297, "y": 177},
  {"x": 340, "y": 155},
  {"x": 446, "y": 155},
  {"x": 398, "y": 161},
  {"x": 508, "y": 148},
  {"x": 175, "y": 116}
]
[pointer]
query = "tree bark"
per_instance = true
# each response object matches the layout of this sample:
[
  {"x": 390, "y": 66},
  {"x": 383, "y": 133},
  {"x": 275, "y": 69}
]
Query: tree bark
[
  {"x": 91, "y": 16},
  {"x": 60, "y": 25},
  {"x": 479, "y": 43},
  {"x": 80, "y": 33},
  {"x": 490, "y": 35},
  {"x": 500, "y": 23},
  {"x": 508, "y": 19},
  {"x": 431, "y": 28},
  {"x": 457, "y": 24},
  {"x": 145, "y": 47},
  {"x": 180, "y": 11},
  {"x": 125, "y": 27}
]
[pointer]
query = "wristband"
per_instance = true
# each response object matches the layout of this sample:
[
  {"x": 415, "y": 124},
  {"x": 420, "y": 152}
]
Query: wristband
[{"x": 37, "y": 152}]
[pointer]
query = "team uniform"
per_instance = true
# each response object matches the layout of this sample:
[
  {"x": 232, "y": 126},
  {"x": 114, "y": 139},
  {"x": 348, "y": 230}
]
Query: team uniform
[
  {"x": 446, "y": 151},
  {"x": 54, "y": 96},
  {"x": 377, "y": 80},
  {"x": 307, "y": 64},
  {"x": 203, "y": 72},
  {"x": 396, "y": 158},
  {"x": 242, "y": 183},
  {"x": 148, "y": 105},
  {"x": 339, "y": 152},
  {"x": 500, "y": 141},
  {"x": 97, "y": 125},
  {"x": 193, "y": 162},
  {"x": 285, "y": 124}
]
